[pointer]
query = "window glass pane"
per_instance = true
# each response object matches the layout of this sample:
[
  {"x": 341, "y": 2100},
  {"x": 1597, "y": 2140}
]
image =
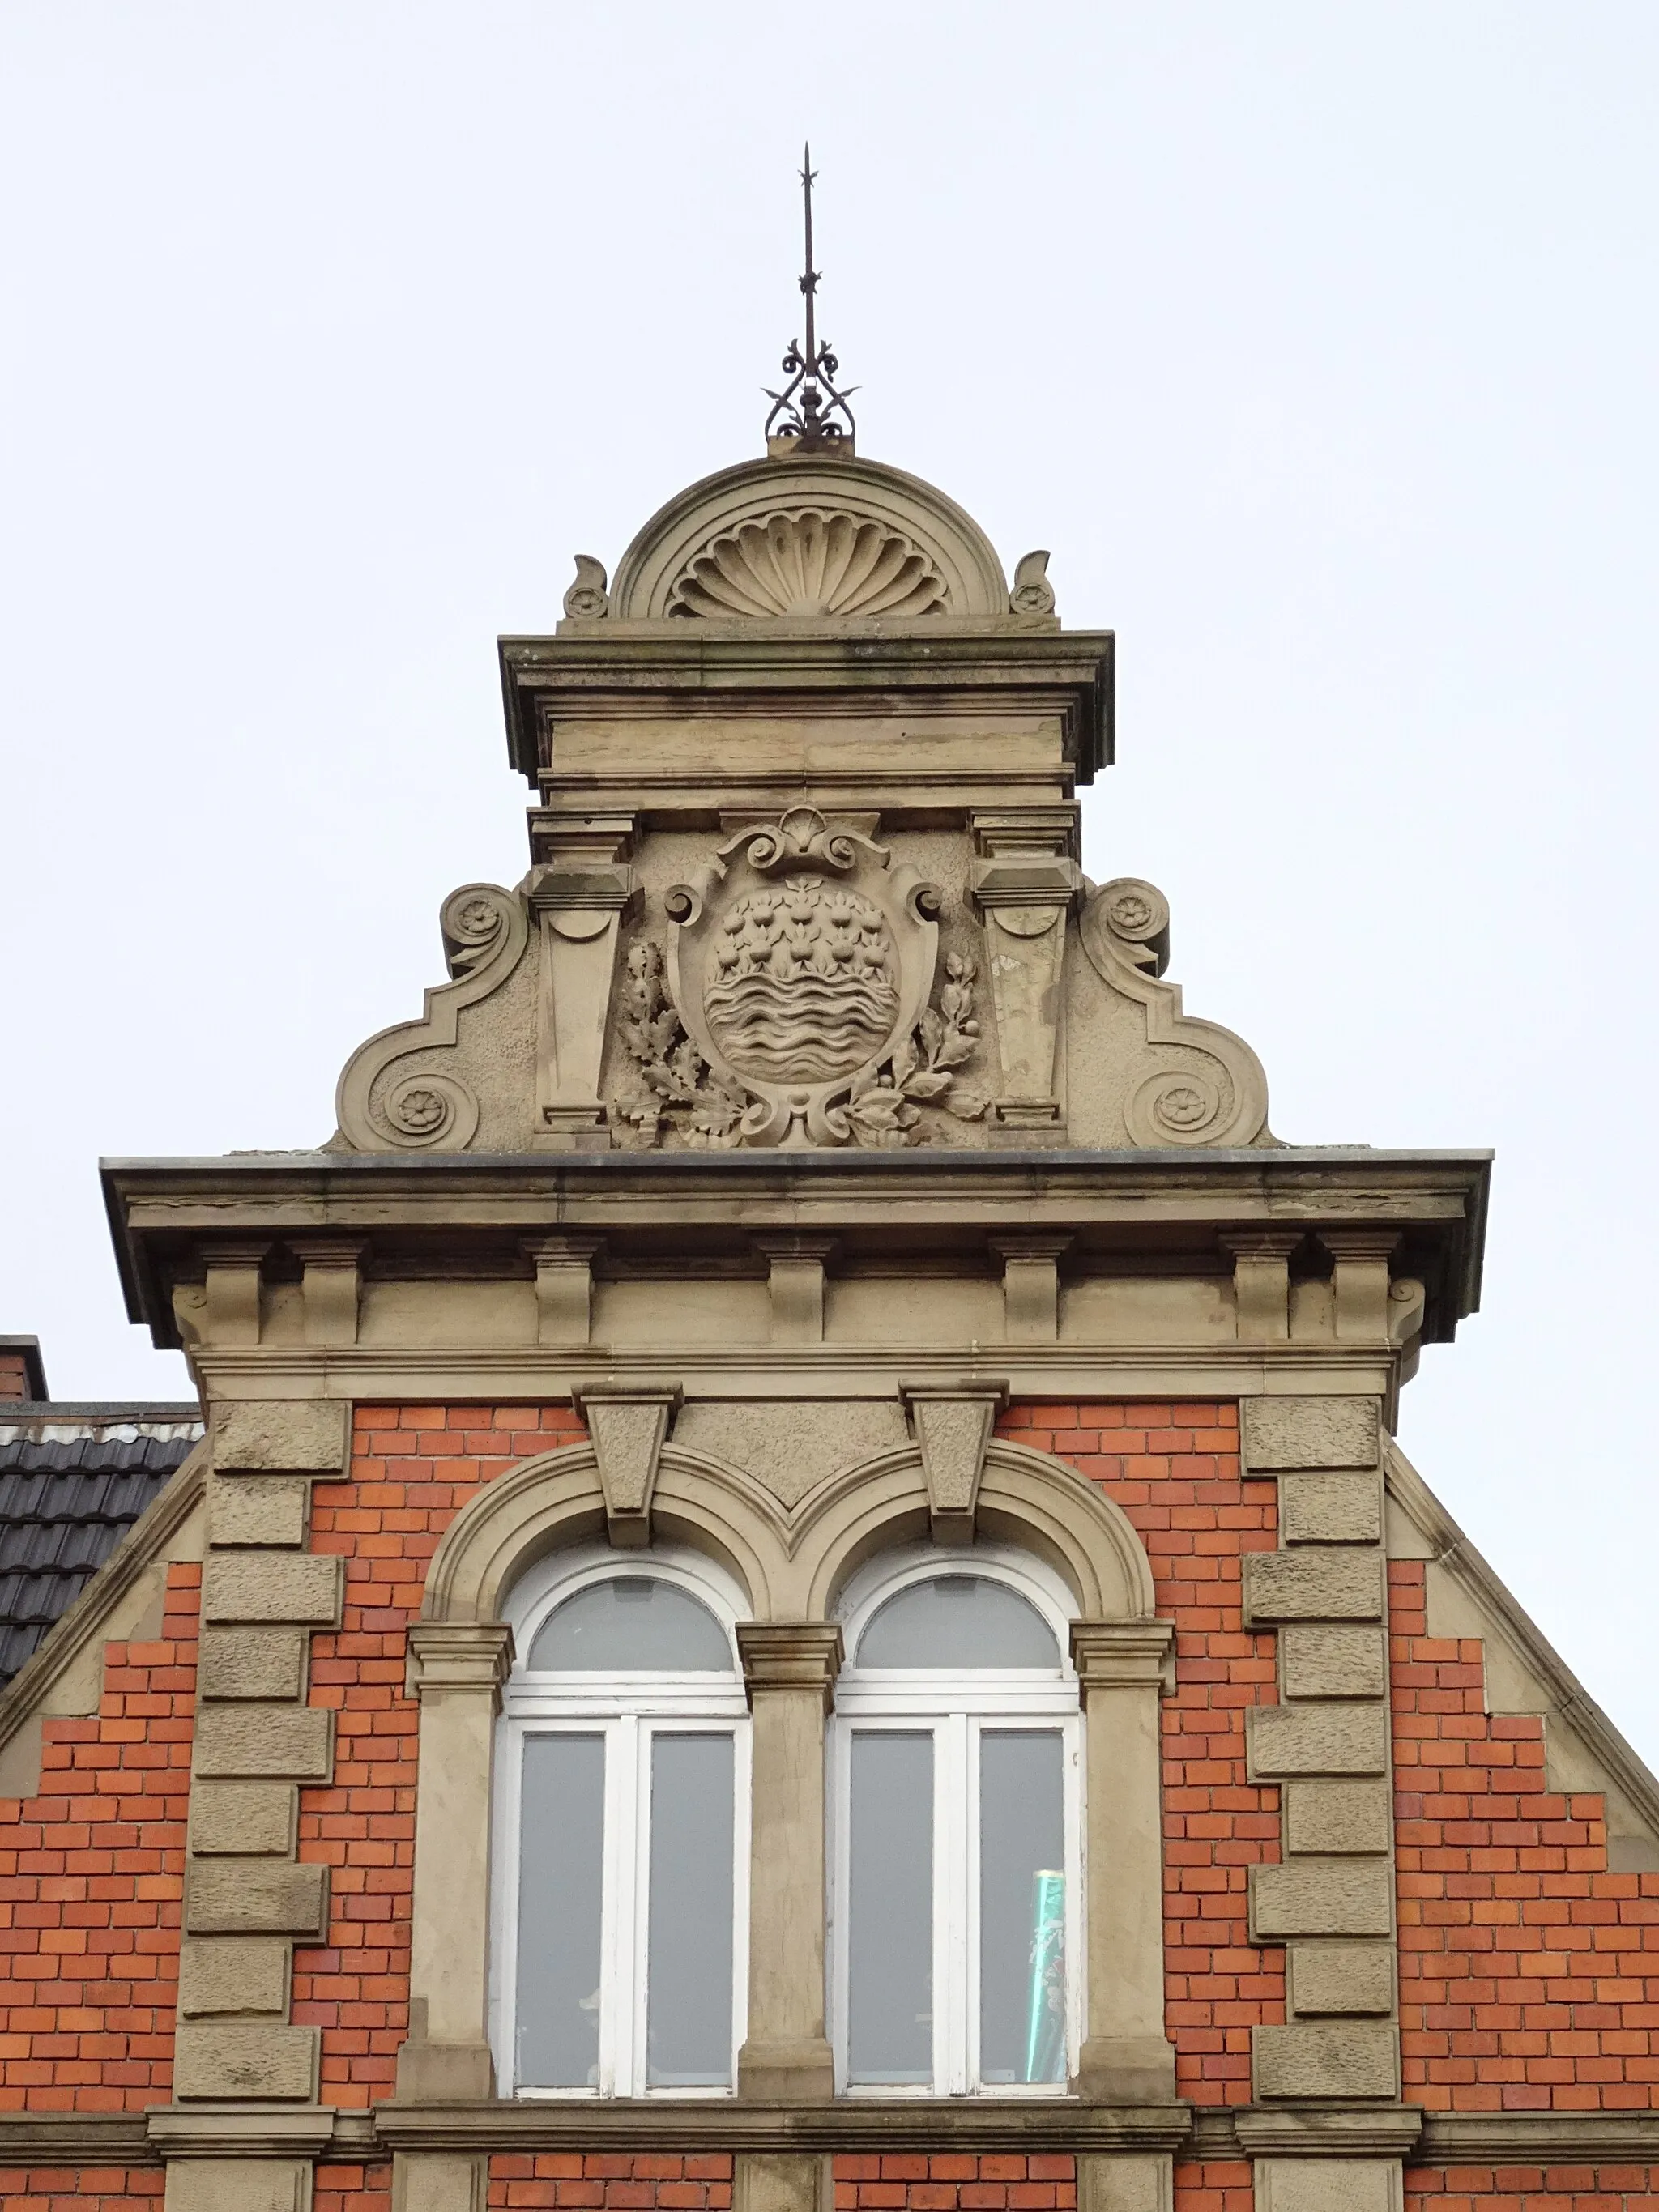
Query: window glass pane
[
  {"x": 689, "y": 1989},
  {"x": 891, "y": 1909},
  {"x": 958, "y": 1620},
  {"x": 1022, "y": 1907},
  {"x": 632, "y": 1621},
  {"x": 560, "y": 1858}
]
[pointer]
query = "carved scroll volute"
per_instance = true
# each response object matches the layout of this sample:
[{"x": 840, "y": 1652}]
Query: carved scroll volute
[
  {"x": 579, "y": 899},
  {"x": 1025, "y": 879}
]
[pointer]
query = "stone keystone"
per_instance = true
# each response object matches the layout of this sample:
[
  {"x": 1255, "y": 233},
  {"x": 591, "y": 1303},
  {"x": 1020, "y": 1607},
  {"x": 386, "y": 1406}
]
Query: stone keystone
[
  {"x": 628, "y": 1423},
  {"x": 953, "y": 1423}
]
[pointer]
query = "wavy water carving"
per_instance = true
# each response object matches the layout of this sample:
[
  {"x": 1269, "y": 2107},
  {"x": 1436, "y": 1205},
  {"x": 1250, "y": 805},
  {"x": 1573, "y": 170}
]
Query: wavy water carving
[
  {"x": 806, "y": 983},
  {"x": 807, "y": 563}
]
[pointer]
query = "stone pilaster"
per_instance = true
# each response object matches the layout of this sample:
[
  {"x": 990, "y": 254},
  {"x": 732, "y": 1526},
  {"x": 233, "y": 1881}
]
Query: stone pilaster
[
  {"x": 1025, "y": 882},
  {"x": 1330, "y": 1901},
  {"x": 1123, "y": 1668},
  {"x": 578, "y": 899},
  {"x": 790, "y": 1669}
]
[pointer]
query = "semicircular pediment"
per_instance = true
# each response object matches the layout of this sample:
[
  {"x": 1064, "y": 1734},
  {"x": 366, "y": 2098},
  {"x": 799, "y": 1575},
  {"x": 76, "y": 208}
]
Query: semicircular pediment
[{"x": 807, "y": 540}]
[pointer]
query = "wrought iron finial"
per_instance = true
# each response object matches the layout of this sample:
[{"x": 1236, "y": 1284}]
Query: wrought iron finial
[{"x": 810, "y": 414}]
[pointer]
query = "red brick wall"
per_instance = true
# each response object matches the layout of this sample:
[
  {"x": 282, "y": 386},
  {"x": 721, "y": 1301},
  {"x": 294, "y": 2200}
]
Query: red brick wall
[
  {"x": 413, "y": 1468},
  {"x": 959, "y": 2182},
  {"x": 1173, "y": 1470},
  {"x": 1521, "y": 2188},
  {"x": 85, "y": 2188},
  {"x": 613, "y": 2181},
  {"x": 14, "y": 1379},
  {"x": 91, "y": 1880},
  {"x": 1528, "y": 1974}
]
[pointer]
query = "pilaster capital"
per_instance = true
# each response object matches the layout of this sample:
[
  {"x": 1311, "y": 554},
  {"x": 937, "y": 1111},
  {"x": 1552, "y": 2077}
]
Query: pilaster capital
[
  {"x": 1359, "y": 1243},
  {"x": 563, "y": 1249},
  {"x": 775, "y": 1245},
  {"x": 1122, "y": 1655},
  {"x": 328, "y": 1251},
  {"x": 1259, "y": 1243},
  {"x": 1030, "y": 1247},
  {"x": 803, "y": 1655},
  {"x": 468, "y": 1656}
]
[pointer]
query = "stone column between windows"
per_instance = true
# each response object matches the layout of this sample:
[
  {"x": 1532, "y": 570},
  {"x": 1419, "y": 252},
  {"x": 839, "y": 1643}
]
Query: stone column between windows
[
  {"x": 1326, "y": 2082},
  {"x": 789, "y": 1669},
  {"x": 456, "y": 1668},
  {"x": 1126, "y": 2057}
]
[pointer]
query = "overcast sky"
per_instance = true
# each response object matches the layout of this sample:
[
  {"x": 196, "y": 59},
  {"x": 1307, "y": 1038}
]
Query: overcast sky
[{"x": 1317, "y": 343}]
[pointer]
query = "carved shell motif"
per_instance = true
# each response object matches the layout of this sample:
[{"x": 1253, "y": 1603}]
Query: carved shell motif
[{"x": 807, "y": 564}]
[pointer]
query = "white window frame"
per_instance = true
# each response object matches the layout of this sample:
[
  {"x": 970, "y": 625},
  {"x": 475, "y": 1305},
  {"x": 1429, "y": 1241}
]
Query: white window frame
[
  {"x": 958, "y": 1710},
  {"x": 629, "y": 1709}
]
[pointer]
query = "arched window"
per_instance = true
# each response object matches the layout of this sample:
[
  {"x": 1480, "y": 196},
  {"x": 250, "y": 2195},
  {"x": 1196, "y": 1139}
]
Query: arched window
[
  {"x": 622, "y": 1830},
  {"x": 956, "y": 1835}
]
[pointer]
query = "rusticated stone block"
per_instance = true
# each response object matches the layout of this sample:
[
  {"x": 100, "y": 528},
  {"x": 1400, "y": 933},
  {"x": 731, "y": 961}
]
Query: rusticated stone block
[
  {"x": 1326, "y": 2058},
  {"x": 1333, "y": 1979},
  {"x": 1330, "y": 1509},
  {"x": 244, "y": 2059},
  {"x": 253, "y": 1662},
  {"x": 257, "y": 1509},
  {"x": 1125, "y": 2181},
  {"x": 297, "y": 1741},
  {"x": 1337, "y": 1817},
  {"x": 255, "y": 1896},
  {"x": 1290, "y": 1433},
  {"x": 1313, "y": 1585},
  {"x": 440, "y": 2181},
  {"x": 302, "y": 1588},
  {"x": 1286, "y": 1740},
  {"x": 778, "y": 2181},
  {"x": 1329, "y": 2184},
  {"x": 1332, "y": 1659},
  {"x": 251, "y": 2184},
  {"x": 243, "y": 1819},
  {"x": 220, "y": 1974},
  {"x": 299, "y": 1436},
  {"x": 1308, "y": 1896}
]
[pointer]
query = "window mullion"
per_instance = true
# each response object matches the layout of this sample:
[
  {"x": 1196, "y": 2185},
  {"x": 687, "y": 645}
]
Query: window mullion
[
  {"x": 951, "y": 1849},
  {"x": 618, "y": 1912}
]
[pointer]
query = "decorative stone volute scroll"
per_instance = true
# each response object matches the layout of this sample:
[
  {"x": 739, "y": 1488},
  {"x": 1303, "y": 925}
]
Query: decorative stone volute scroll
[
  {"x": 425, "y": 1109},
  {"x": 1032, "y": 594},
  {"x": 811, "y": 539},
  {"x": 1195, "y": 1083},
  {"x": 588, "y": 600}
]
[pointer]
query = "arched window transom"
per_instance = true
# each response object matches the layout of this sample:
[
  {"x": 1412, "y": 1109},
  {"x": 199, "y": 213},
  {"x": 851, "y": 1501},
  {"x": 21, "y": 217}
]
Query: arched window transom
[
  {"x": 954, "y": 1842},
  {"x": 622, "y": 1828}
]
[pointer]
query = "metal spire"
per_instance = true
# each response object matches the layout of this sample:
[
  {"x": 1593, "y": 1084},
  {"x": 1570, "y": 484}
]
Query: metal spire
[{"x": 810, "y": 414}]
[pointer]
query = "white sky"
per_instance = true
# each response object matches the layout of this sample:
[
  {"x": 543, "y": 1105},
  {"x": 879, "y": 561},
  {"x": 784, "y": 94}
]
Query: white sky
[{"x": 1317, "y": 342}]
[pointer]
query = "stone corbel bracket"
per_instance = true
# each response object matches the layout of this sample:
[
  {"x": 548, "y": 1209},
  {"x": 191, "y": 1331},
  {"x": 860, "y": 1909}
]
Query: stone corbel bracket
[
  {"x": 426, "y": 1108},
  {"x": 1201, "y": 1084},
  {"x": 579, "y": 899},
  {"x": 628, "y": 1423},
  {"x": 952, "y": 1422},
  {"x": 1025, "y": 881}
]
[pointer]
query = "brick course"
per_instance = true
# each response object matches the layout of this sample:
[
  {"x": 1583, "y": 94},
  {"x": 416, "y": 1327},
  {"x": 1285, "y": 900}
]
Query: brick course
[
  {"x": 612, "y": 2181},
  {"x": 82, "y": 2189},
  {"x": 91, "y": 1881},
  {"x": 1530, "y": 2189}
]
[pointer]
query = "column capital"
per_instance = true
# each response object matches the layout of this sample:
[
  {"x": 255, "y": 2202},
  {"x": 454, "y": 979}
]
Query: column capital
[
  {"x": 459, "y": 1655},
  {"x": 1359, "y": 1243},
  {"x": 1122, "y": 1655},
  {"x": 790, "y": 1654}
]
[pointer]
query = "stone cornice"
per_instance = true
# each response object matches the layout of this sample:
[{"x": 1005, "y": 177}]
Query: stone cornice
[
  {"x": 1131, "y": 1202},
  {"x": 847, "y": 2124}
]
